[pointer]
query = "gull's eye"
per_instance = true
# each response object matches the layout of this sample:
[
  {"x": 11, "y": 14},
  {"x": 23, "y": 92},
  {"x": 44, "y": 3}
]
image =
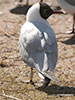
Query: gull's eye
[{"x": 46, "y": 11}]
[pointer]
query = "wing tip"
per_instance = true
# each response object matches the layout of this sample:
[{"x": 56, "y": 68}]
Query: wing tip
[{"x": 51, "y": 76}]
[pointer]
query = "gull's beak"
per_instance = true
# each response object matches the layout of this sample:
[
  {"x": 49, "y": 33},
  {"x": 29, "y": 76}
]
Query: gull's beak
[{"x": 58, "y": 12}]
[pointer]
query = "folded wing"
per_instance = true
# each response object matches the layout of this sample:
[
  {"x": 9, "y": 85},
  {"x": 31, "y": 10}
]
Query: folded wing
[{"x": 39, "y": 50}]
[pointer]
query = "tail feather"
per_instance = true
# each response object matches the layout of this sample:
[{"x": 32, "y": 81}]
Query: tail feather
[{"x": 49, "y": 74}]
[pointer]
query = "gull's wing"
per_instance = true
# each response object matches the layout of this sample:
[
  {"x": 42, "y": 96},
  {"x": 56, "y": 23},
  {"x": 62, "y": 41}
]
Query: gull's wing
[
  {"x": 30, "y": 44},
  {"x": 38, "y": 50},
  {"x": 50, "y": 57}
]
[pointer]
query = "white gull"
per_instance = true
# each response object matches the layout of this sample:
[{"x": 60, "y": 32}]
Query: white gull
[{"x": 37, "y": 42}]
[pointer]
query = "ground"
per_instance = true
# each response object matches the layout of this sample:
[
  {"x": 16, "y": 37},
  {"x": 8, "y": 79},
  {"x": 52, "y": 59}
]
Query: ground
[{"x": 13, "y": 71}]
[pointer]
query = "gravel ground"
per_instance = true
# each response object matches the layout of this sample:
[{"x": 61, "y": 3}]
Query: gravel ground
[{"x": 13, "y": 71}]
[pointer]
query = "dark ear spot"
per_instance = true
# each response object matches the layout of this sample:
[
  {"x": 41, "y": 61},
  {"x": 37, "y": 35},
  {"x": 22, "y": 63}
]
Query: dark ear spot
[{"x": 45, "y": 10}]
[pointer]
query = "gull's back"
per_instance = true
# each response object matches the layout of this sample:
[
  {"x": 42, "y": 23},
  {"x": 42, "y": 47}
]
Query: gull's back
[{"x": 38, "y": 44}]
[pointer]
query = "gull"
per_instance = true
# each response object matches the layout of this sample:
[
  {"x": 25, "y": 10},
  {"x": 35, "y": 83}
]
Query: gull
[
  {"x": 37, "y": 43},
  {"x": 69, "y": 7}
]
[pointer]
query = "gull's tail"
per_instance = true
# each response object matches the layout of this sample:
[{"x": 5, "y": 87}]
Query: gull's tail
[{"x": 50, "y": 75}]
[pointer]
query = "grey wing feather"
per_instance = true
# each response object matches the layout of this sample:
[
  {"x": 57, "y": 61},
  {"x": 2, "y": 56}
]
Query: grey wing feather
[
  {"x": 50, "y": 75},
  {"x": 30, "y": 44},
  {"x": 51, "y": 52},
  {"x": 39, "y": 51},
  {"x": 50, "y": 58}
]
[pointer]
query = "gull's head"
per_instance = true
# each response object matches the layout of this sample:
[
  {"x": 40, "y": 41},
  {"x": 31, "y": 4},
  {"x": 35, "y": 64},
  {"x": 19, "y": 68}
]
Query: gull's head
[{"x": 39, "y": 11}]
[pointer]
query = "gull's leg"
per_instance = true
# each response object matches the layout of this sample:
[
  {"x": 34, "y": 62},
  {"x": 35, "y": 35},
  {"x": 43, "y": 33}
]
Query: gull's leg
[
  {"x": 31, "y": 77},
  {"x": 73, "y": 27},
  {"x": 73, "y": 30}
]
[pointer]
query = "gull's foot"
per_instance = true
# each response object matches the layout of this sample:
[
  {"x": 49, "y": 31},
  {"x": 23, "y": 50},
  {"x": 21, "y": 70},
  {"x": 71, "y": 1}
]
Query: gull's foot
[
  {"x": 36, "y": 84},
  {"x": 28, "y": 81},
  {"x": 31, "y": 82}
]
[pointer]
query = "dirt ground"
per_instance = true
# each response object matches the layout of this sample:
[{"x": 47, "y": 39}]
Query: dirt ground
[{"x": 13, "y": 71}]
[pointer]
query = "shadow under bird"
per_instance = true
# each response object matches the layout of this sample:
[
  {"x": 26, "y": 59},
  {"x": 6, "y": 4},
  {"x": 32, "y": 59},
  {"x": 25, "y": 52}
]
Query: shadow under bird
[
  {"x": 37, "y": 43},
  {"x": 69, "y": 7}
]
